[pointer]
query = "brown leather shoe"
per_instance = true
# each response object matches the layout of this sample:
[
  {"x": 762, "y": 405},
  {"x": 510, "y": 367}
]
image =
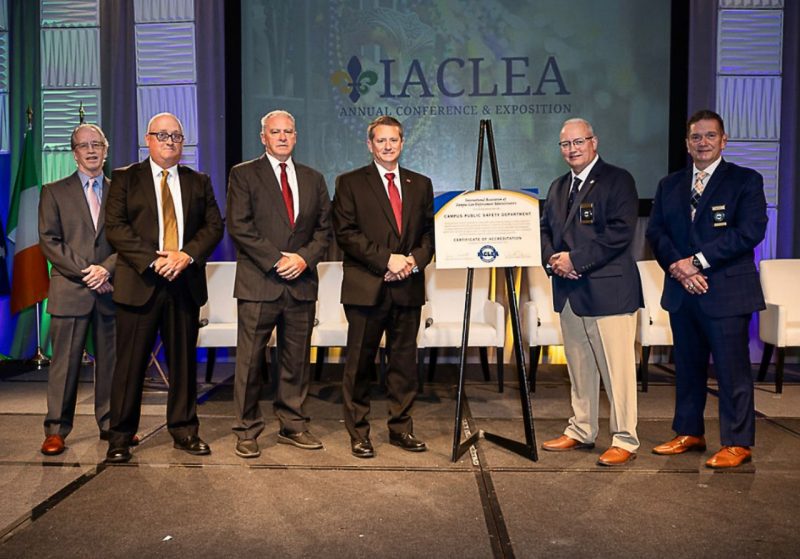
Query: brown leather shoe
[
  {"x": 564, "y": 443},
  {"x": 52, "y": 445},
  {"x": 681, "y": 444},
  {"x": 730, "y": 457},
  {"x": 616, "y": 456}
]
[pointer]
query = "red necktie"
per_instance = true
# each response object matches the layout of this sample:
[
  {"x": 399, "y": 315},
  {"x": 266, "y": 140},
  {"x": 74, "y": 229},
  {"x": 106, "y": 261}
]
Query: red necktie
[
  {"x": 395, "y": 201},
  {"x": 287, "y": 194}
]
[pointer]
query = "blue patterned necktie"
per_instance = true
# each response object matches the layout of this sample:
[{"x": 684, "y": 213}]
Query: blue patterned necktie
[{"x": 697, "y": 191}]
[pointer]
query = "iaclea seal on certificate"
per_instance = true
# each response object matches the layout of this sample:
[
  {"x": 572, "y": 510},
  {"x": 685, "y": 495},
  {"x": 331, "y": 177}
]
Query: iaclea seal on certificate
[{"x": 488, "y": 253}]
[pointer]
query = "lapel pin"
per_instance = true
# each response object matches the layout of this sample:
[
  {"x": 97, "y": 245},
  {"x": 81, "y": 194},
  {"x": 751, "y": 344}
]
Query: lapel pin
[{"x": 408, "y": 180}]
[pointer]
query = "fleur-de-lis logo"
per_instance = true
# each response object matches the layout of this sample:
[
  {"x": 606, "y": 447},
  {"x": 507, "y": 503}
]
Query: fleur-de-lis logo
[{"x": 354, "y": 80}]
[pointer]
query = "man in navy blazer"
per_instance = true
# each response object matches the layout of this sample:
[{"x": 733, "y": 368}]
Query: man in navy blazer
[
  {"x": 705, "y": 223},
  {"x": 383, "y": 221},
  {"x": 587, "y": 227},
  {"x": 279, "y": 218}
]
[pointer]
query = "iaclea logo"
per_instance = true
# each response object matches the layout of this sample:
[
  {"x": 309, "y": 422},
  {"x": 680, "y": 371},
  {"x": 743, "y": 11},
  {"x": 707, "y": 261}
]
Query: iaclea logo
[
  {"x": 505, "y": 76},
  {"x": 354, "y": 81},
  {"x": 488, "y": 253}
]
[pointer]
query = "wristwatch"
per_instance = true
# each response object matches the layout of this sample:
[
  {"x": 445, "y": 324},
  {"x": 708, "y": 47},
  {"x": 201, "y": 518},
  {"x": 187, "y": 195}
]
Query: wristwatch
[{"x": 696, "y": 263}]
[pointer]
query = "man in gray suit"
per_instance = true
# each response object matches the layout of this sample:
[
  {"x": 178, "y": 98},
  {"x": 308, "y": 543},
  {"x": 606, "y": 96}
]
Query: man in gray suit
[
  {"x": 279, "y": 218},
  {"x": 72, "y": 237}
]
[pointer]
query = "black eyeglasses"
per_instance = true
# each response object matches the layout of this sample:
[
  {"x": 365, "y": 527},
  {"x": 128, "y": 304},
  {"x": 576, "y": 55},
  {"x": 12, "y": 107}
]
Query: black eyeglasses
[
  {"x": 577, "y": 142},
  {"x": 177, "y": 137}
]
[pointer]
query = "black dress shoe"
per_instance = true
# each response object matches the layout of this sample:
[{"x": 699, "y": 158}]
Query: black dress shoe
[
  {"x": 118, "y": 455},
  {"x": 407, "y": 441},
  {"x": 362, "y": 448},
  {"x": 193, "y": 445}
]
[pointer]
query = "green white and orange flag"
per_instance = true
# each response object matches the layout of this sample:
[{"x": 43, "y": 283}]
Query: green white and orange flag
[{"x": 29, "y": 282}]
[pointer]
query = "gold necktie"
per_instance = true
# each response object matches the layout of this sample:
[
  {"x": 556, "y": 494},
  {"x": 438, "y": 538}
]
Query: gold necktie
[{"x": 168, "y": 212}]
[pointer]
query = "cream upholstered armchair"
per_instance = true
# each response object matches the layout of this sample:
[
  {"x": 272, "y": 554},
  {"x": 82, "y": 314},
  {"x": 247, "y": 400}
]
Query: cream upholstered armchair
[
  {"x": 219, "y": 316},
  {"x": 443, "y": 317},
  {"x": 652, "y": 328},
  {"x": 541, "y": 324},
  {"x": 330, "y": 325},
  {"x": 779, "y": 323}
]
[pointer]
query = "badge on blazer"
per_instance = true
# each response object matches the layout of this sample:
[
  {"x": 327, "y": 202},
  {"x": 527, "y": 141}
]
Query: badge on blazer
[
  {"x": 587, "y": 213},
  {"x": 718, "y": 216}
]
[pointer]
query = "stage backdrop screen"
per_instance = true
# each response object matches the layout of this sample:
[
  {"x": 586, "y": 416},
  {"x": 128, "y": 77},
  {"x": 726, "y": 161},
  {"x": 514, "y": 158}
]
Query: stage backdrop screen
[{"x": 440, "y": 66}]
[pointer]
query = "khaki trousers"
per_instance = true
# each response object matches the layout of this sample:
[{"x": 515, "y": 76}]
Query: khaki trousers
[{"x": 601, "y": 347}]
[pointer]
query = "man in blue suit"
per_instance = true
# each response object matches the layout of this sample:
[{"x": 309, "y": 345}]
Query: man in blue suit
[
  {"x": 706, "y": 221},
  {"x": 587, "y": 226}
]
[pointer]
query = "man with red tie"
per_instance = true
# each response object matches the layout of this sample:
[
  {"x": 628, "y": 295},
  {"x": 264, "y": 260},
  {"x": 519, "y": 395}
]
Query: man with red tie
[
  {"x": 383, "y": 220},
  {"x": 279, "y": 218}
]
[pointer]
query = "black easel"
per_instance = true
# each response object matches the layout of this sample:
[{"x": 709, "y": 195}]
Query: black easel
[{"x": 528, "y": 448}]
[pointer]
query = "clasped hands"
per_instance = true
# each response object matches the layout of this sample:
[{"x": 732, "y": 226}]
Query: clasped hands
[
  {"x": 561, "y": 265},
  {"x": 399, "y": 267},
  {"x": 689, "y": 276},
  {"x": 170, "y": 263},
  {"x": 97, "y": 279},
  {"x": 290, "y": 266}
]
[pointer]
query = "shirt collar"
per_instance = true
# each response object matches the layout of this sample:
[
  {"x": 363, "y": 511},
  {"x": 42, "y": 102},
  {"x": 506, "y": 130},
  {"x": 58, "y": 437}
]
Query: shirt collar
[
  {"x": 84, "y": 178},
  {"x": 708, "y": 170},
  {"x": 156, "y": 169},
  {"x": 383, "y": 170},
  {"x": 274, "y": 161},
  {"x": 583, "y": 175}
]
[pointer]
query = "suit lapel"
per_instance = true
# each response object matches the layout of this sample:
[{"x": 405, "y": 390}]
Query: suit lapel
[
  {"x": 187, "y": 189},
  {"x": 303, "y": 192},
  {"x": 378, "y": 190},
  {"x": 146, "y": 187},
  {"x": 101, "y": 220},
  {"x": 77, "y": 193},
  {"x": 713, "y": 183},
  {"x": 587, "y": 186},
  {"x": 409, "y": 199}
]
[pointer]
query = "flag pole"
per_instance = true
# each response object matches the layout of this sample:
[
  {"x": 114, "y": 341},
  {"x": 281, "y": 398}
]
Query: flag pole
[{"x": 40, "y": 360}]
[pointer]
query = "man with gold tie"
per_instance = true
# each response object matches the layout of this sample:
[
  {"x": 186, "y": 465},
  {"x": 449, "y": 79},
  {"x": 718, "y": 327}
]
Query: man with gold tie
[{"x": 164, "y": 222}]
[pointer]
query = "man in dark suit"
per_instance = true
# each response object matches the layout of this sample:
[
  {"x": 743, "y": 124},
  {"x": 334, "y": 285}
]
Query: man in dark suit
[
  {"x": 72, "y": 237},
  {"x": 279, "y": 218},
  {"x": 383, "y": 220},
  {"x": 587, "y": 226},
  {"x": 164, "y": 222},
  {"x": 706, "y": 221}
]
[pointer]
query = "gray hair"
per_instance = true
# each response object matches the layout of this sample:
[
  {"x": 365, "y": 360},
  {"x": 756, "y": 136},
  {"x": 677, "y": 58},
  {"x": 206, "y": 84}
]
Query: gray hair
[
  {"x": 81, "y": 126},
  {"x": 276, "y": 112},
  {"x": 579, "y": 121}
]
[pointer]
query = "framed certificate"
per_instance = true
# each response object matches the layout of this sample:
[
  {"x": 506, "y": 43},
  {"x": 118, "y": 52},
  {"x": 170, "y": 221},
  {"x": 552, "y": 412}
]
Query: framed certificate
[{"x": 488, "y": 229}]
